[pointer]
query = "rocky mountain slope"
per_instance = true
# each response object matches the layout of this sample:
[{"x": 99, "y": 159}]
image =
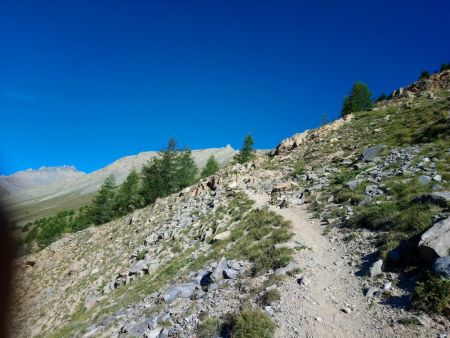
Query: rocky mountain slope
[
  {"x": 29, "y": 179},
  {"x": 327, "y": 237},
  {"x": 38, "y": 193}
]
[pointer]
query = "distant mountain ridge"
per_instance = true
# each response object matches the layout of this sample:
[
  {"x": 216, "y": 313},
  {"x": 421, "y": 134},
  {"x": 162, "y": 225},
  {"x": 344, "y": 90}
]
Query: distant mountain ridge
[{"x": 31, "y": 178}]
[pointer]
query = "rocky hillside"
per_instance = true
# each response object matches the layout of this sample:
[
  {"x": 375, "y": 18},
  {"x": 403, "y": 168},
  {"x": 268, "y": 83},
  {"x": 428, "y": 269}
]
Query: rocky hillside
[
  {"x": 39, "y": 193},
  {"x": 341, "y": 232},
  {"x": 30, "y": 179}
]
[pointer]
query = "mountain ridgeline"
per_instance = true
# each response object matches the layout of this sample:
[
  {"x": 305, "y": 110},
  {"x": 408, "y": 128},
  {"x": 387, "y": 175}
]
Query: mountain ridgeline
[{"x": 340, "y": 231}]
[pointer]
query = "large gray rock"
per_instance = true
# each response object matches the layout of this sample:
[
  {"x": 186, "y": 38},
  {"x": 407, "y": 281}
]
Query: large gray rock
[
  {"x": 184, "y": 290},
  {"x": 292, "y": 266},
  {"x": 441, "y": 198},
  {"x": 217, "y": 274},
  {"x": 231, "y": 273},
  {"x": 435, "y": 242},
  {"x": 441, "y": 266},
  {"x": 375, "y": 269},
  {"x": 353, "y": 185},
  {"x": 424, "y": 180},
  {"x": 371, "y": 154}
]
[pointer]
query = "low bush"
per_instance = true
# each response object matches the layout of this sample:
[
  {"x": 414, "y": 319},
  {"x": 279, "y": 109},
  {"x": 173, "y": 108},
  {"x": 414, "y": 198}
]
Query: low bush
[
  {"x": 433, "y": 295},
  {"x": 209, "y": 328},
  {"x": 252, "y": 324},
  {"x": 269, "y": 297}
]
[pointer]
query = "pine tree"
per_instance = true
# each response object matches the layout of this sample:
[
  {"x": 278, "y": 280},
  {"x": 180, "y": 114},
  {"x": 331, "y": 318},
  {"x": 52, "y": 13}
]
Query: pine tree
[
  {"x": 168, "y": 173},
  {"x": 360, "y": 98},
  {"x": 102, "y": 208},
  {"x": 247, "y": 153},
  {"x": 424, "y": 75},
  {"x": 186, "y": 170},
  {"x": 127, "y": 197},
  {"x": 211, "y": 167}
]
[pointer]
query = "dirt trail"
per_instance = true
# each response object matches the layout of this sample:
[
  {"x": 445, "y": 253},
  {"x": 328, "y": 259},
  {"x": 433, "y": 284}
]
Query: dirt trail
[{"x": 314, "y": 306}]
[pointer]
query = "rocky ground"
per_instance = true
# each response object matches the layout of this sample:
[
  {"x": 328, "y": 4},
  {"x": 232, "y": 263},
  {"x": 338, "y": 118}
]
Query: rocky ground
[{"x": 204, "y": 253}]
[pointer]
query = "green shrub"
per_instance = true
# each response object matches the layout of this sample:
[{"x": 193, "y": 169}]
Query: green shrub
[
  {"x": 269, "y": 297},
  {"x": 252, "y": 324},
  {"x": 433, "y": 296},
  {"x": 424, "y": 75},
  {"x": 209, "y": 328},
  {"x": 299, "y": 167}
]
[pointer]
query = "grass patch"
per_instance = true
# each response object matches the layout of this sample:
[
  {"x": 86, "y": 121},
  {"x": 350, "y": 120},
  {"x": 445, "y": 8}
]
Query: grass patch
[
  {"x": 251, "y": 324},
  {"x": 433, "y": 296}
]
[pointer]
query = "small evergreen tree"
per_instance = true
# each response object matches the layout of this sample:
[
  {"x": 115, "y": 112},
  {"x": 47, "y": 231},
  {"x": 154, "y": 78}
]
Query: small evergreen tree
[
  {"x": 445, "y": 66},
  {"x": 211, "y": 167},
  {"x": 127, "y": 197},
  {"x": 247, "y": 153},
  {"x": 324, "y": 119},
  {"x": 382, "y": 97},
  {"x": 102, "y": 208},
  {"x": 424, "y": 75},
  {"x": 185, "y": 170},
  {"x": 360, "y": 98}
]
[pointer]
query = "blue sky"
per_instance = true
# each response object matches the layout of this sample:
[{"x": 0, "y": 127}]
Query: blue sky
[{"x": 87, "y": 82}]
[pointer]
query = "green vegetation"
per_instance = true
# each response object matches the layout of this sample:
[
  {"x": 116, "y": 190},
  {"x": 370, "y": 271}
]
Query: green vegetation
[
  {"x": 102, "y": 208},
  {"x": 409, "y": 321},
  {"x": 211, "y": 167},
  {"x": 168, "y": 173},
  {"x": 252, "y": 324},
  {"x": 445, "y": 66},
  {"x": 424, "y": 75},
  {"x": 299, "y": 167},
  {"x": 210, "y": 327},
  {"x": 433, "y": 295},
  {"x": 171, "y": 172},
  {"x": 399, "y": 219},
  {"x": 269, "y": 297},
  {"x": 128, "y": 197},
  {"x": 382, "y": 97},
  {"x": 360, "y": 98},
  {"x": 247, "y": 153}
]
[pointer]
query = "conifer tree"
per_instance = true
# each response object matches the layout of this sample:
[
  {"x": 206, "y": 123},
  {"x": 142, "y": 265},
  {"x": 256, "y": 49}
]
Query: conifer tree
[
  {"x": 211, "y": 167},
  {"x": 247, "y": 153},
  {"x": 101, "y": 209},
  {"x": 127, "y": 197},
  {"x": 360, "y": 98}
]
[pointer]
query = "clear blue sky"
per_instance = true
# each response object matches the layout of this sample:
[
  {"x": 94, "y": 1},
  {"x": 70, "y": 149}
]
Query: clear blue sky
[{"x": 87, "y": 82}]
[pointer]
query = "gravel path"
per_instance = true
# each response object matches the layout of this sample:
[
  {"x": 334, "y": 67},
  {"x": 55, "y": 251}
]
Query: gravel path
[{"x": 327, "y": 299}]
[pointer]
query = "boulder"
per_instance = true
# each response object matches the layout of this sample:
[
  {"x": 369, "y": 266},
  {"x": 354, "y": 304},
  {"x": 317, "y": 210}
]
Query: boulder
[
  {"x": 184, "y": 290},
  {"x": 441, "y": 198},
  {"x": 353, "y": 185},
  {"x": 222, "y": 236},
  {"x": 424, "y": 180},
  {"x": 375, "y": 269},
  {"x": 441, "y": 266},
  {"x": 287, "y": 269},
  {"x": 137, "y": 267},
  {"x": 218, "y": 273},
  {"x": 371, "y": 154},
  {"x": 75, "y": 267},
  {"x": 282, "y": 187},
  {"x": 435, "y": 242},
  {"x": 231, "y": 273},
  {"x": 90, "y": 301}
]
